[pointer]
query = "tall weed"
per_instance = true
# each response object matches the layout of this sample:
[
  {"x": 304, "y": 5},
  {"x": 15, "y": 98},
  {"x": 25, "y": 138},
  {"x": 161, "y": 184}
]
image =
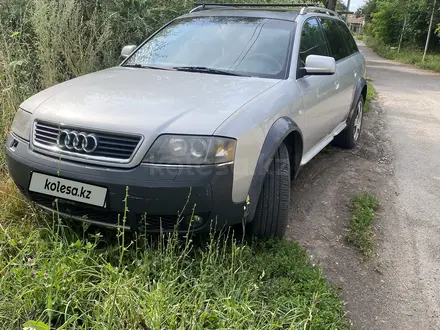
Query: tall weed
[
  {"x": 44, "y": 42},
  {"x": 411, "y": 56},
  {"x": 84, "y": 280}
]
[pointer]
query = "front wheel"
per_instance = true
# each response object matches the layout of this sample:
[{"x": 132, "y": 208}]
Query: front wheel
[
  {"x": 349, "y": 137},
  {"x": 272, "y": 210}
]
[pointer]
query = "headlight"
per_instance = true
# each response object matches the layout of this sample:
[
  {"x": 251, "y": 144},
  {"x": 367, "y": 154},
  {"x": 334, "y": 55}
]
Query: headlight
[
  {"x": 21, "y": 126},
  {"x": 191, "y": 150}
]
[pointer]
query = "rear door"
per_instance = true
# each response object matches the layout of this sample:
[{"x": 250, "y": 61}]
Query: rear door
[
  {"x": 354, "y": 50},
  {"x": 319, "y": 92},
  {"x": 345, "y": 64}
]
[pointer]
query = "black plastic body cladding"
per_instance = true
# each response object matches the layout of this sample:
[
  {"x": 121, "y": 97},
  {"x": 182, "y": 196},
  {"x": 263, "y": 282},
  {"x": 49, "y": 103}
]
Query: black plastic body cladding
[
  {"x": 277, "y": 134},
  {"x": 361, "y": 83},
  {"x": 155, "y": 192}
]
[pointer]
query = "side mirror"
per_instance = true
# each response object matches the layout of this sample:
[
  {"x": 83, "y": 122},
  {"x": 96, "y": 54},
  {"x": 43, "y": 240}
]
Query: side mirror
[
  {"x": 127, "y": 50},
  {"x": 320, "y": 65}
]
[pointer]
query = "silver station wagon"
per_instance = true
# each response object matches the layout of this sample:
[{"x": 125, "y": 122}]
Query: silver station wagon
[{"x": 204, "y": 125}]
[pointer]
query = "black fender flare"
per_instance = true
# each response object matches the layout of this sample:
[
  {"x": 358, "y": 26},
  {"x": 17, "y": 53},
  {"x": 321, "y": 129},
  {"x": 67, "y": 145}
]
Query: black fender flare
[
  {"x": 361, "y": 83},
  {"x": 276, "y": 135}
]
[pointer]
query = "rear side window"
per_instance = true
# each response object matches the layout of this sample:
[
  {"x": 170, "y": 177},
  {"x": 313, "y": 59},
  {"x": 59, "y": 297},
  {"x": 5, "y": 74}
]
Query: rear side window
[
  {"x": 336, "y": 42},
  {"x": 348, "y": 38},
  {"x": 312, "y": 40}
]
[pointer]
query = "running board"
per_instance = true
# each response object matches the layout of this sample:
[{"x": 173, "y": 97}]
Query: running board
[{"x": 323, "y": 143}]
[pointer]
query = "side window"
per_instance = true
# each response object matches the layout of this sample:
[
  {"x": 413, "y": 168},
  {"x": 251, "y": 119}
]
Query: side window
[
  {"x": 312, "y": 40},
  {"x": 335, "y": 39},
  {"x": 351, "y": 44}
]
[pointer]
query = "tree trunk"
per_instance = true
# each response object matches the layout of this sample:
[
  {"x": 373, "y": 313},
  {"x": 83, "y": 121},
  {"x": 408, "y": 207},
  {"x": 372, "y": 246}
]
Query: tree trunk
[
  {"x": 429, "y": 31},
  {"x": 331, "y": 4},
  {"x": 403, "y": 31}
]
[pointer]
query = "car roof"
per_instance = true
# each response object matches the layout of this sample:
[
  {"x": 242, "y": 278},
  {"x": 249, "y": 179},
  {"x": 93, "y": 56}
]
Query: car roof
[{"x": 288, "y": 15}]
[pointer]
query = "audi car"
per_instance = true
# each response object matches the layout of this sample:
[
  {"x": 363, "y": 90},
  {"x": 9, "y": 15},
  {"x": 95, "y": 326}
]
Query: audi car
[{"x": 202, "y": 126}]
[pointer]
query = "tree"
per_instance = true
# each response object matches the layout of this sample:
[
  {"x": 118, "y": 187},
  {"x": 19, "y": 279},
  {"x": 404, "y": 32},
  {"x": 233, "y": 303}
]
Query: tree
[
  {"x": 367, "y": 10},
  {"x": 340, "y": 6},
  {"x": 429, "y": 29},
  {"x": 331, "y": 4},
  {"x": 403, "y": 22}
]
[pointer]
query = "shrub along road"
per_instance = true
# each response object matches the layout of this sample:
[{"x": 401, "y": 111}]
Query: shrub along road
[{"x": 399, "y": 161}]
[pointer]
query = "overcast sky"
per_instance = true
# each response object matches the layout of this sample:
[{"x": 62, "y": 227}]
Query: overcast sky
[{"x": 354, "y": 4}]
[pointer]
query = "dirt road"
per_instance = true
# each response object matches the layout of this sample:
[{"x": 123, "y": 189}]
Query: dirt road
[{"x": 399, "y": 161}]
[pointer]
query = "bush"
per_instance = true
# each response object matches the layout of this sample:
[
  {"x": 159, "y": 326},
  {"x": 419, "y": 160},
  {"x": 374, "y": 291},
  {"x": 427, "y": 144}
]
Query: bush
[{"x": 406, "y": 55}]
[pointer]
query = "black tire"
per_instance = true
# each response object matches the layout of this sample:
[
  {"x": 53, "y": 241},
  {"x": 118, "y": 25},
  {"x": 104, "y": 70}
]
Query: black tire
[
  {"x": 347, "y": 138},
  {"x": 271, "y": 215}
]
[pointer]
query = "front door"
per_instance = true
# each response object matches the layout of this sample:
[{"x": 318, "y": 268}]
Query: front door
[
  {"x": 319, "y": 92},
  {"x": 338, "y": 37}
]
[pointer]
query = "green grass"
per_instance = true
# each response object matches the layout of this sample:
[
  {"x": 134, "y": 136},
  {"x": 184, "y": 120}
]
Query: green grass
[
  {"x": 406, "y": 55},
  {"x": 329, "y": 150},
  {"x": 80, "y": 279},
  {"x": 361, "y": 223},
  {"x": 371, "y": 96},
  {"x": 358, "y": 36}
]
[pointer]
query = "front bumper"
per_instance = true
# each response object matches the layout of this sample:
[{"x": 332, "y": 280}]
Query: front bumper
[{"x": 159, "y": 197}]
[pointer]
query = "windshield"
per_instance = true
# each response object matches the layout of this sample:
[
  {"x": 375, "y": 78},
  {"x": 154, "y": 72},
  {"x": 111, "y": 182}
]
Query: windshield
[{"x": 245, "y": 46}]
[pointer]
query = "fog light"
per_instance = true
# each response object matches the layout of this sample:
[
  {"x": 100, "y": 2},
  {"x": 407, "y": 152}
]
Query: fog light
[
  {"x": 194, "y": 220},
  {"x": 14, "y": 144}
]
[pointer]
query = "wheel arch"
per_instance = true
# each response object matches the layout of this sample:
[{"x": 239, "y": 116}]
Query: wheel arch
[
  {"x": 284, "y": 130},
  {"x": 360, "y": 89}
]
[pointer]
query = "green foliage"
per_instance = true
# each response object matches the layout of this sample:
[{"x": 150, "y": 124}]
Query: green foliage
[
  {"x": 340, "y": 6},
  {"x": 72, "y": 279},
  {"x": 406, "y": 55},
  {"x": 361, "y": 222},
  {"x": 386, "y": 19},
  {"x": 366, "y": 10},
  {"x": 386, "y": 22},
  {"x": 371, "y": 96},
  {"x": 64, "y": 275},
  {"x": 35, "y": 325}
]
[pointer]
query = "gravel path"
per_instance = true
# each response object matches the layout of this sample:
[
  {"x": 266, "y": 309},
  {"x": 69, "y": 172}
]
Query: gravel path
[{"x": 399, "y": 161}]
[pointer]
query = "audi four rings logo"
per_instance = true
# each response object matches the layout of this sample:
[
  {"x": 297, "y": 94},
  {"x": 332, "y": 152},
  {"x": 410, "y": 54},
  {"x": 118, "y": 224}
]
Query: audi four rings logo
[{"x": 79, "y": 141}]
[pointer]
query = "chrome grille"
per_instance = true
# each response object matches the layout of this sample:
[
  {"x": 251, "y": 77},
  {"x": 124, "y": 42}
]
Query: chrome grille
[{"x": 111, "y": 147}]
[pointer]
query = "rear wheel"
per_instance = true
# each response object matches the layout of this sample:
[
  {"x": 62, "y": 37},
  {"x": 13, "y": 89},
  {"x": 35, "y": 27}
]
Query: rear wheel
[
  {"x": 349, "y": 137},
  {"x": 272, "y": 210}
]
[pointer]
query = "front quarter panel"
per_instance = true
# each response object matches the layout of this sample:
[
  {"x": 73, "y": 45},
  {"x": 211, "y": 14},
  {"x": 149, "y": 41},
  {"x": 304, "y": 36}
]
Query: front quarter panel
[
  {"x": 250, "y": 126},
  {"x": 360, "y": 84}
]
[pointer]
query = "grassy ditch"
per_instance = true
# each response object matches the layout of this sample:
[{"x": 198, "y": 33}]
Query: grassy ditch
[
  {"x": 371, "y": 96},
  {"x": 406, "y": 55},
  {"x": 361, "y": 232},
  {"x": 83, "y": 279}
]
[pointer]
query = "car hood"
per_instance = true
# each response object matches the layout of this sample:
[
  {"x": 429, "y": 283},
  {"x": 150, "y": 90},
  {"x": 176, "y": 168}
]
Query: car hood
[{"x": 146, "y": 101}]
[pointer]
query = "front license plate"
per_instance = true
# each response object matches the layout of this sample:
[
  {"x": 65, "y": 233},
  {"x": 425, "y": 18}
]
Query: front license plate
[{"x": 68, "y": 189}]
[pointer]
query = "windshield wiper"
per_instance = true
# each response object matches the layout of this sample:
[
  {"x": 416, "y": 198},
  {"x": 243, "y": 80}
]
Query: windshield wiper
[
  {"x": 205, "y": 69},
  {"x": 145, "y": 66}
]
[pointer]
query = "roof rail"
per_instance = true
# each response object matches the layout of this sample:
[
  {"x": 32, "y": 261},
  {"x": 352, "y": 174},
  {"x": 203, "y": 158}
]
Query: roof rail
[
  {"x": 206, "y": 6},
  {"x": 306, "y": 9}
]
